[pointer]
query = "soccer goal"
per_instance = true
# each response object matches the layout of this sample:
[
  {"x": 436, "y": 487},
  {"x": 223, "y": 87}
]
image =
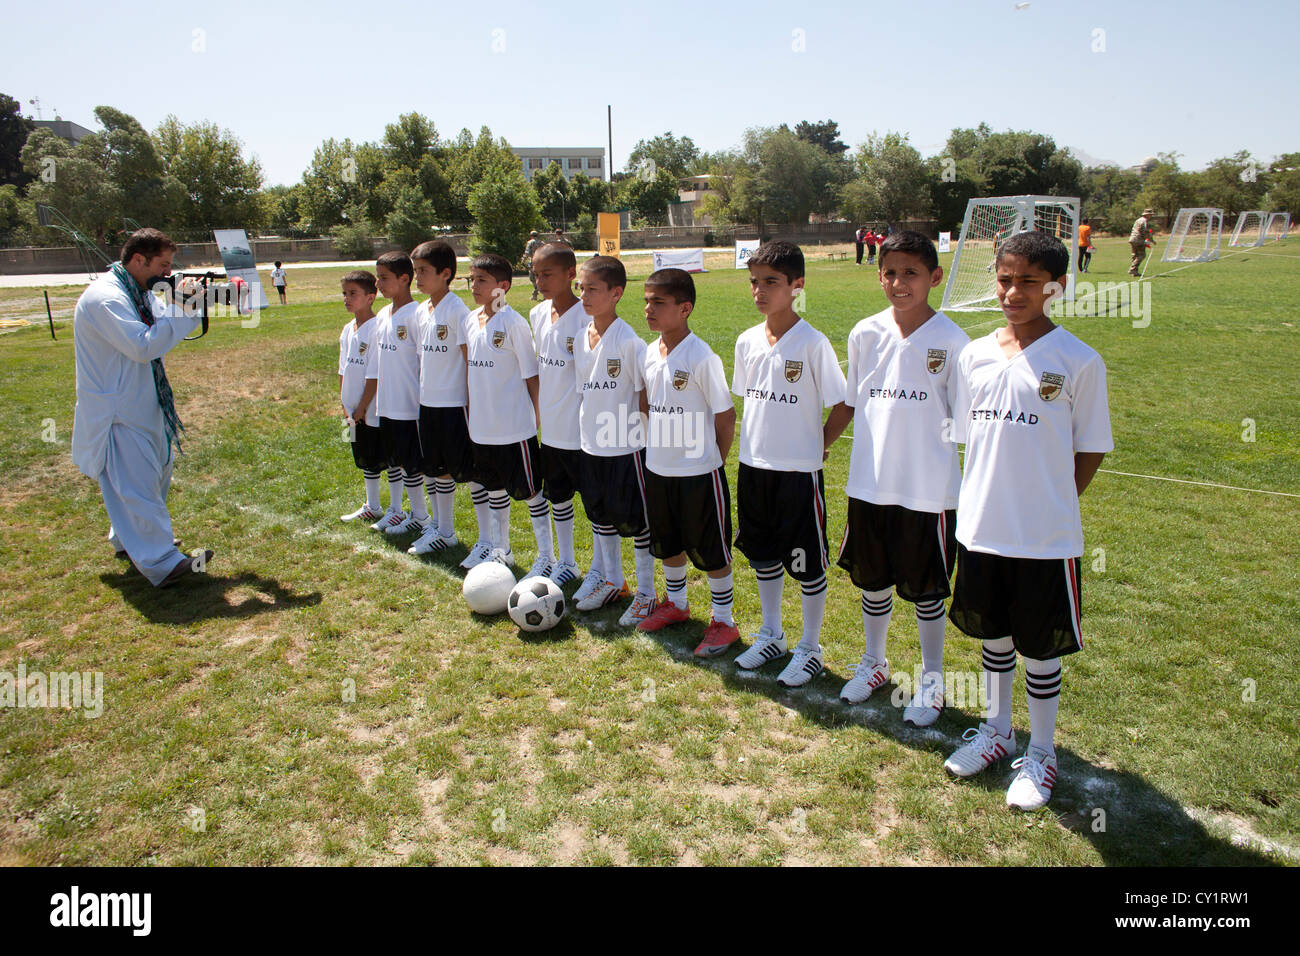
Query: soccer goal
[
  {"x": 1249, "y": 230},
  {"x": 990, "y": 222},
  {"x": 1278, "y": 225},
  {"x": 1196, "y": 236}
]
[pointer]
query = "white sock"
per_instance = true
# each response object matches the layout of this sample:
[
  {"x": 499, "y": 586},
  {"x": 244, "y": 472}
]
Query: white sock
[
  {"x": 720, "y": 589},
  {"x": 539, "y": 513},
  {"x": 771, "y": 582},
  {"x": 999, "y": 673},
  {"x": 930, "y": 622},
  {"x": 1043, "y": 690},
  {"x": 415, "y": 491},
  {"x": 499, "y": 501},
  {"x": 813, "y": 605},
  {"x": 444, "y": 493},
  {"x": 395, "y": 488},
  {"x": 597, "y": 556},
  {"x": 644, "y": 562},
  {"x": 877, "y": 607},
  {"x": 374, "y": 501},
  {"x": 611, "y": 556},
  {"x": 675, "y": 585},
  {"x": 562, "y": 515},
  {"x": 482, "y": 511}
]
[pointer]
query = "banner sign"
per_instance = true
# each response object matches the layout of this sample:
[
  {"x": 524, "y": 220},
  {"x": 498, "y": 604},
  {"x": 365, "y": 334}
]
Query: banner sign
[
  {"x": 691, "y": 260},
  {"x": 744, "y": 249},
  {"x": 945, "y": 242},
  {"x": 607, "y": 242},
  {"x": 237, "y": 257}
]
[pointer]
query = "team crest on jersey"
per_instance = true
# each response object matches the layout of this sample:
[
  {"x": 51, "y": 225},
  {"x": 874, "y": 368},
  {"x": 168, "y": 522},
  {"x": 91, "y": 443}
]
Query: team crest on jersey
[
  {"x": 401, "y": 332},
  {"x": 935, "y": 360},
  {"x": 442, "y": 332},
  {"x": 498, "y": 339},
  {"x": 1050, "y": 385},
  {"x": 680, "y": 378},
  {"x": 568, "y": 345},
  {"x": 361, "y": 348},
  {"x": 793, "y": 371},
  {"x": 613, "y": 367}
]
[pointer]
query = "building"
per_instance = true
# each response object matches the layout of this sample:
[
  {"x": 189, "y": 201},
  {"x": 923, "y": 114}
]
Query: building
[
  {"x": 685, "y": 211},
  {"x": 588, "y": 160},
  {"x": 64, "y": 129}
]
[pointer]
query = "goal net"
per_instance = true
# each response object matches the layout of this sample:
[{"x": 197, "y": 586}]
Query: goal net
[
  {"x": 1278, "y": 225},
  {"x": 1196, "y": 236},
  {"x": 989, "y": 223},
  {"x": 1249, "y": 230}
]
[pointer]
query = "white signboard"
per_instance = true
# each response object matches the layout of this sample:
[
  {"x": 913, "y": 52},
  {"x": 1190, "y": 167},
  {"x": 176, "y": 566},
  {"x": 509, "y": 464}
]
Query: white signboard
[
  {"x": 744, "y": 249},
  {"x": 237, "y": 257},
  {"x": 945, "y": 242},
  {"x": 692, "y": 260}
]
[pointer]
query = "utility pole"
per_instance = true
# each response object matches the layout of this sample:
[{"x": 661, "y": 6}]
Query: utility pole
[{"x": 609, "y": 116}]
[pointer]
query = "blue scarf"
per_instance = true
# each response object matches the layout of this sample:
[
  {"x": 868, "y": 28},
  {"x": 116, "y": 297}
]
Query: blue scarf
[{"x": 166, "y": 401}]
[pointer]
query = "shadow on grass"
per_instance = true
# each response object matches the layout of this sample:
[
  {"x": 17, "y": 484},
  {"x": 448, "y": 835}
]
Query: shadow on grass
[
  {"x": 204, "y": 597},
  {"x": 1141, "y": 826}
]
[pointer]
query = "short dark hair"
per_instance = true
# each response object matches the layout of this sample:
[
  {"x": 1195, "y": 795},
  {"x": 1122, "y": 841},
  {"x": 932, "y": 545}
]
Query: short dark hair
[
  {"x": 785, "y": 257},
  {"x": 498, "y": 267},
  {"x": 912, "y": 242},
  {"x": 398, "y": 263},
  {"x": 674, "y": 282},
  {"x": 1038, "y": 249},
  {"x": 277, "y": 261},
  {"x": 147, "y": 243},
  {"x": 438, "y": 254},
  {"x": 364, "y": 279},
  {"x": 561, "y": 252},
  {"x": 608, "y": 270}
]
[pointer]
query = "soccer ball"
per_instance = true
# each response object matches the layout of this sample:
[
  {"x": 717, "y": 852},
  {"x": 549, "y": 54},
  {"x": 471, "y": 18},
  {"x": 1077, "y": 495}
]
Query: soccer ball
[
  {"x": 487, "y": 587},
  {"x": 536, "y": 604}
]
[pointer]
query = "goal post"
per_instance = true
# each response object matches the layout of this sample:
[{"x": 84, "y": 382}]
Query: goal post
[
  {"x": 1196, "y": 235},
  {"x": 1249, "y": 230},
  {"x": 1277, "y": 226},
  {"x": 987, "y": 224}
]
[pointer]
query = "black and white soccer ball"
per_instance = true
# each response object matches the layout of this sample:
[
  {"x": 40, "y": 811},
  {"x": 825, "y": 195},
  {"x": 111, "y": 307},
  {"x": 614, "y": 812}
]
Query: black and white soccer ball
[{"x": 536, "y": 604}]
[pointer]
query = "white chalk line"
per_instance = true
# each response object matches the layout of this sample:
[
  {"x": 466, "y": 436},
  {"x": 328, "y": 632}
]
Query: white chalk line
[{"x": 1206, "y": 484}]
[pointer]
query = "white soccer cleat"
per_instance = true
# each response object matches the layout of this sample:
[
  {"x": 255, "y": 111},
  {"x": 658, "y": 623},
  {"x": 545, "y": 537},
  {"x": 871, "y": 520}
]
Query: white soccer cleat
[
  {"x": 983, "y": 748},
  {"x": 925, "y": 707},
  {"x": 502, "y": 556},
  {"x": 605, "y": 593},
  {"x": 409, "y": 525},
  {"x": 364, "y": 513},
  {"x": 803, "y": 667},
  {"x": 390, "y": 517},
  {"x": 432, "y": 540},
  {"x": 1036, "y": 776},
  {"x": 562, "y": 573},
  {"x": 481, "y": 551},
  {"x": 642, "y": 607},
  {"x": 869, "y": 675},
  {"x": 594, "y": 579},
  {"x": 766, "y": 647},
  {"x": 540, "y": 568}
]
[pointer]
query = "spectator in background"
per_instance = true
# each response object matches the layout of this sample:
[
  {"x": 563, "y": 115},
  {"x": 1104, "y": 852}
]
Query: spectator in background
[
  {"x": 534, "y": 243},
  {"x": 1140, "y": 239},
  {"x": 859, "y": 238},
  {"x": 1085, "y": 245},
  {"x": 871, "y": 239},
  {"x": 279, "y": 280}
]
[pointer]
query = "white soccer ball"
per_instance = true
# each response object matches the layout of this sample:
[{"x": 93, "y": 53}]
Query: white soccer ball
[
  {"x": 487, "y": 587},
  {"x": 536, "y": 604}
]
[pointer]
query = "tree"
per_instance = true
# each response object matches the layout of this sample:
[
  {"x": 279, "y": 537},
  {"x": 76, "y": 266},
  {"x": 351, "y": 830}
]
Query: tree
[
  {"x": 676, "y": 155},
  {"x": 129, "y": 155},
  {"x": 221, "y": 186},
  {"x": 14, "y": 130},
  {"x": 412, "y": 220},
  {"x": 647, "y": 197},
  {"x": 410, "y": 140},
  {"x": 1166, "y": 188},
  {"x": 331, "y": 185},
  {"x": 1284, "y": 185},
  {"x": 1231, "y": 183},
  {"x": 74, "y": 181},
  {"x": 953, "y": 182},
  {"x": 892, "y": 183},
  {"x": 504, "y": 208},
  {"x": 467, "y": 162},
  {"x": 553, "y": 193},
  {"x": 825, "y": 134},
  {"x": 1112, "y": 202},
  {"x": 587, "y": 196}
]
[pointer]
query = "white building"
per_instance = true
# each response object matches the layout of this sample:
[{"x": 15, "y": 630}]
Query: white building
[{"x": 588, "y": 160}]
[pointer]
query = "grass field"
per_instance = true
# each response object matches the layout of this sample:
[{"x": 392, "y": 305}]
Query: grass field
[{"x": 227, "y": 736}]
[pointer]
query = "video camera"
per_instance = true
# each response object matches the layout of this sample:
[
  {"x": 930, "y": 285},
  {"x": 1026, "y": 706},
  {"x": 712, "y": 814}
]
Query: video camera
[{"x": 204, "y": 278}]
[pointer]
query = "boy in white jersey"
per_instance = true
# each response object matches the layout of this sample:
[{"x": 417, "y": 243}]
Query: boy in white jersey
[
  {"x": 610, "y": 358},
  {"x": 1031, "y": 408},
  {"x": 443, "y": 424},
  {"x": 279, "y": 279},
  {"x": 502, "y": 373},
  {"x": 356, "y": 392},
  {"x": 394, "y": 361},
  {"x": 557, "y": 322},
  {"x": 787, "y": 372},
  {"x": 691, "y": 425},
  {"x": 903, "y": 471}
]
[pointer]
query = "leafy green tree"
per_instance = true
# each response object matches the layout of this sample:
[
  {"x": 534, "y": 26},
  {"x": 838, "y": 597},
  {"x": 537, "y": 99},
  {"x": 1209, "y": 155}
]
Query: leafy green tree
[
  {"x": 1166, "y": 188},
  {"x": 13, "y": 217},
  {"x": 467, "y": 162},
  {"x": 504, "y": 208},
  {"x": 649, "y": 198},
  {"x": 675, "y": 154},
  {"x": 221, "y": 186},
  {"x": 552, "y": 190},
  {"x": 1284, "y": 185},
  {"x": 892, "y": 182},
  {"x": 953, "y": 182},
  {"x": 825, "y": 134},
  {"x": 14, "y": 130},
  {"x": 587, "y": 196},
  {"x": 412, "y": 220},
  {"x": 1231, "y": 183},
  {"x": 1112, "y": 202},
  {"x": 150, "y": 195},
  {"x": 74, "y": 181},
  {"x": 410, "y": 140},
  {"x": 331, "y": 185}
]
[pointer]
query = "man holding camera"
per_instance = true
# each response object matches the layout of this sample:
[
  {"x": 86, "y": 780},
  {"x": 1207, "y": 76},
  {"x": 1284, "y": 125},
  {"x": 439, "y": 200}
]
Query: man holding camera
[{"x": 125, "y": 422}]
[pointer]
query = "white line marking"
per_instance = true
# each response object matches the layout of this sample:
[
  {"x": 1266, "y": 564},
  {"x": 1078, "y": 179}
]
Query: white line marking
[{"x": 1207, "y": 484}]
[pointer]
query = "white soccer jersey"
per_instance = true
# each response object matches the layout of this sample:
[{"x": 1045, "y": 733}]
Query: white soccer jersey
[
  {"x": 394, "y": 359},
  {"x": 557, "y": 382},
  {"x": 608, "y": 379},
  {"x": 500, "y": 360},
  {"x": 1022, "y": 420},
  {"x": 277, "y": 277},
  {"x": 354, "y": 351},
  {"x": 900, "y": 390},
  {"x": 785, "y": 387},
  {"x": 442, "y": 365},
  {"x": 685, "y": 389}
]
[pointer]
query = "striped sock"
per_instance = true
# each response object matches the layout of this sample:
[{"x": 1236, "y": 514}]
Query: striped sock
[
  {"x": 539, "y": 513},
  {"x": 611, "y": 554},
  {"x": 373, "y": 500},
  {"x": 1043, "y": 689},
  {"x": 562, "y": 515},
  {"x": 395, "y": 488},
  {"x": 644, "y": 562},
  {"x": 499, "y": 502},
  {"x": 814, "y": 609},
  {"x": 999, "y": 673},
  {"x": 415, "y": 491},
  {"x": 720, "y": 589},
  {"x": 444, "y": 496},
  {"x": 482, "y": 511},
  {"x": 675, "y": 585},
  {"x": 771, "y": 582},
  {"x": 930, "y": 623},
  {"x": 877, "y": 607}
]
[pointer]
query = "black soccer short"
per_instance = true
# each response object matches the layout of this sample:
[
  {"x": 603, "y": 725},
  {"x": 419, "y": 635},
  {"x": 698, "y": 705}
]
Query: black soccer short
[
  {"x": 511, "y": 468},
  {"x": 783, "y": 520},
  {"x": 889, "y": 546},
  {"x": 613, "y": 491},
  {"x": 691, "y": 513},
  {"x": 1035, "y": 602},
  {"x": 561, "y": 470},
  {"x": 368, "y": 447},
  {"x": 444, "y": 443},
  {"x": 401, "y": 444}
]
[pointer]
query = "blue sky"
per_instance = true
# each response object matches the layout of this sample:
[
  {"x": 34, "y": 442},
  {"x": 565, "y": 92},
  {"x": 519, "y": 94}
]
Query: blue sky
[{"x": 1199, "y": 77}]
